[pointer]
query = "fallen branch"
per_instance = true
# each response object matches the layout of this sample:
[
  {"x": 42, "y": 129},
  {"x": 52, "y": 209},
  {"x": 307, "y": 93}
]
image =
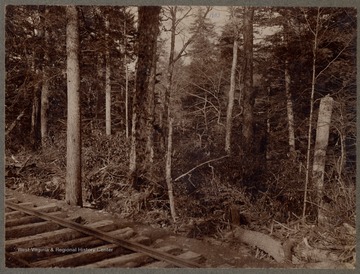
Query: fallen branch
[
  {"x": 204, "y": 163},
  {"x": 284, "y": 226},
  {"x": 93, "y": 173},
  {"x": 23, "y": 165},
  {"x": 15, "y": 122}
]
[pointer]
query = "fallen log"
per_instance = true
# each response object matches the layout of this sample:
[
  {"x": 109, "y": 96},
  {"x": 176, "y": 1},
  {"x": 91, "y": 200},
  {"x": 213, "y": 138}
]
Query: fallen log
[
  {"x": 282, "y": 253},
  {"x": 262, "y": 241}
]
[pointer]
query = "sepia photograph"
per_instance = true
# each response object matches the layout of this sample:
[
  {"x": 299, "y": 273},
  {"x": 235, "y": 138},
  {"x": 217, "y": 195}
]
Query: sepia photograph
[{"x": 217, "y": 137}]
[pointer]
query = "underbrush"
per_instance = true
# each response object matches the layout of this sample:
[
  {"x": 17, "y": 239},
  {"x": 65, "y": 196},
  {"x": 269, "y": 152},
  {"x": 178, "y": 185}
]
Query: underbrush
[
  {"x": 40, "y": 173},
  {"x": 207, "y": 202}
]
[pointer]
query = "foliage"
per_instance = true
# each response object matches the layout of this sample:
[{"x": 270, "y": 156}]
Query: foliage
[
  {"x": 266, "y": 190},
  {"x": 24, "y": 62},
  {"x": 105, "y": 164}
]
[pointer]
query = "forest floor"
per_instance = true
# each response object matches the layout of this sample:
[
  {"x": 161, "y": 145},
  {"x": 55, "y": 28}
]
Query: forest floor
[
  {"x": 217, "y": 253},
  {"x": 209, "y": 232}
]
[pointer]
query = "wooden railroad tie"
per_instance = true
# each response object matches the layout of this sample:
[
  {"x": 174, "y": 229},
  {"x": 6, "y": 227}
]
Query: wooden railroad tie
[{"x": 37, "y": 227}]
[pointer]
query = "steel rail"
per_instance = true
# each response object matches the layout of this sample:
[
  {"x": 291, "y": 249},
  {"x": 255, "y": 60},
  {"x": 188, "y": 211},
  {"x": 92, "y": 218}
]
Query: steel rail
[{"x": 108, "y": 238}]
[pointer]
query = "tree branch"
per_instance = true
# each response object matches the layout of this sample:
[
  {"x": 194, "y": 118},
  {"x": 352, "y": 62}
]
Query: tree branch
[
  {"x": 204, "y": 163},
  {"x": 206, "y": 100},
  {"x": 15, "y": 122},
  {"x": 335, "y": 58},
  {"x": 182, "y": 18},
  {"x": 208, "y": 9}
]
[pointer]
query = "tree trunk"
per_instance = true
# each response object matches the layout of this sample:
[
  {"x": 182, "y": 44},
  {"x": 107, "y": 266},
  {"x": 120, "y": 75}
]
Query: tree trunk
[
  {"x": 100, "y": 84},
  {"x": 126, "y": 98},
  {"x": 126, "y": 85},
  {"x": 107, "y": 82},
  {"x": 248, "y": 121},
  {"x": 322, "y": 138},
  {"x": 168, "y": 171},
  {"x": 151, "y": 101},
  {"x": 290, "y": 112},
  {"x": 170, "y": 70},
  {"x": 99, "y": 87},
  {"x": 167, "y": 115},
  {"x": 268, "y": 122},
  {"x": 167, "y": 120},
  {"x": 73, "y": 167},
  {"x": 142, "y": 100},
  {"x": 231, "y": 98},
  {"x": 35, "y": 134},
  {"x": 289, "y": 103},
  {"x": 44, "y": 109},
  {"x": 35, "y": 120},
  {"x": 132, "y": 160},
  {"x": 313, "y": 82},
  {"x": 45, "y": 85}
]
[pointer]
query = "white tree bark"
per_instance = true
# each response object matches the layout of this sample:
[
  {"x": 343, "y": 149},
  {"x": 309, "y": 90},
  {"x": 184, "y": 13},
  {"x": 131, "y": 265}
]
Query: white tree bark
[
  {"x": 322, "y": 138},
  {"x": 168, "y": 171},
  {"x": 168, "y": 119},
  {"x": 107, "y": 82},
  {"x": 290, "y": 111},
  {"x": 126, "y": 98},
  {"x": 126, "y": 86},
  {"x": 73, "y": 193},
  {"x": 231, "y": 98},
  {"x": 100, "y": 74},
  {"x": 132, "y": 160}
]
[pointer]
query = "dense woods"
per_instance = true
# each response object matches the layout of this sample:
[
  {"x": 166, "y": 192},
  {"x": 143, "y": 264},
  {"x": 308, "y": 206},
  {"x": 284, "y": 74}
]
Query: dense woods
[{"x": 201, "y": 119}]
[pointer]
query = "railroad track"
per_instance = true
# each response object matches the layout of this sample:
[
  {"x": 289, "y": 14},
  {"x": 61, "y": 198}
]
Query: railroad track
[{"x": 45, "y": 236}]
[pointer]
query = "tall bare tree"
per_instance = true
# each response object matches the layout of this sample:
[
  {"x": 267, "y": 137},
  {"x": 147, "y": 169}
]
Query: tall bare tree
[
  {"x": 126, "y": 84},
  {"x": 313, "y": 82},
  {"x": 289, "y": 102},
  {"x": 107, "y": 80},
  {"x": 73, "y": 153},
  {"x": 175, "y": 20},
  {"x": 231, "y": 95}
]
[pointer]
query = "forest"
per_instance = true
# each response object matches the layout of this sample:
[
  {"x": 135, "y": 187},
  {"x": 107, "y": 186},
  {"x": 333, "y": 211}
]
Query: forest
[{"x": 202, "y": 120}]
